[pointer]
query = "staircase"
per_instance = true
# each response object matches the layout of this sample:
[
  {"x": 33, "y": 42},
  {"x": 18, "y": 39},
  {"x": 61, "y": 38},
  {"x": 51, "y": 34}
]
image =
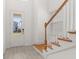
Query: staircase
[{"x": 45, "y": 46}]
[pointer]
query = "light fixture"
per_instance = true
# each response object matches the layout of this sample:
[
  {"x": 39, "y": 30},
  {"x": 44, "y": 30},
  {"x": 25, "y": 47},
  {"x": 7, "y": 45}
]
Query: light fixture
[{"x": 24, "y": 0}]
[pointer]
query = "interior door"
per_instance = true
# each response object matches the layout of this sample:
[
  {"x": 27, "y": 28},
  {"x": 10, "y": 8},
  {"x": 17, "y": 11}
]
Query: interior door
[{"x": 17, "y": 29}]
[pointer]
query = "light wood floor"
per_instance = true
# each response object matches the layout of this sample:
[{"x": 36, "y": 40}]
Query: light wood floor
[{"x": 22, "y": 53}]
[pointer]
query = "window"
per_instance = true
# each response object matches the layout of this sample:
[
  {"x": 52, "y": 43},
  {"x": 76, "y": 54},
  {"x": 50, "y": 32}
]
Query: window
[{"x": 17, "y": 23}]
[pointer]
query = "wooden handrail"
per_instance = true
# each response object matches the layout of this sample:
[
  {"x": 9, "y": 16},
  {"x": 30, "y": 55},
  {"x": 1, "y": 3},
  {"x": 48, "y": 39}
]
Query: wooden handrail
[
  {"x": 59, "y": 9},
  {"x": 51, "y": 18}
]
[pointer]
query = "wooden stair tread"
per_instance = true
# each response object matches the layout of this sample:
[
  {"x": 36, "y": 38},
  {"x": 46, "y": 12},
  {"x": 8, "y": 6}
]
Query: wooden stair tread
[
  {"x": 63, "y": 39},
  {"x": 71, "y": 32},
  {"x": 41, "y": 47},
  {"x": 56, "y": 44}
]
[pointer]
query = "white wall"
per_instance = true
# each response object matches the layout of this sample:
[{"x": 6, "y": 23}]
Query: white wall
[
  {"x": 26, "y": 9},
  {"x": 70, "y": 12},
  {"x": 40, "y": 17}
]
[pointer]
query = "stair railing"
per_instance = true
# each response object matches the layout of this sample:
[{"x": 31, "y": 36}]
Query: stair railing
[{"x": 51, "y": 18}]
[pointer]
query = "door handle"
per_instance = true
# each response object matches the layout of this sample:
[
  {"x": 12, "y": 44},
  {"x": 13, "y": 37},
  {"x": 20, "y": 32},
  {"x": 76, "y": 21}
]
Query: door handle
[{"x": 23, "y": 31}]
